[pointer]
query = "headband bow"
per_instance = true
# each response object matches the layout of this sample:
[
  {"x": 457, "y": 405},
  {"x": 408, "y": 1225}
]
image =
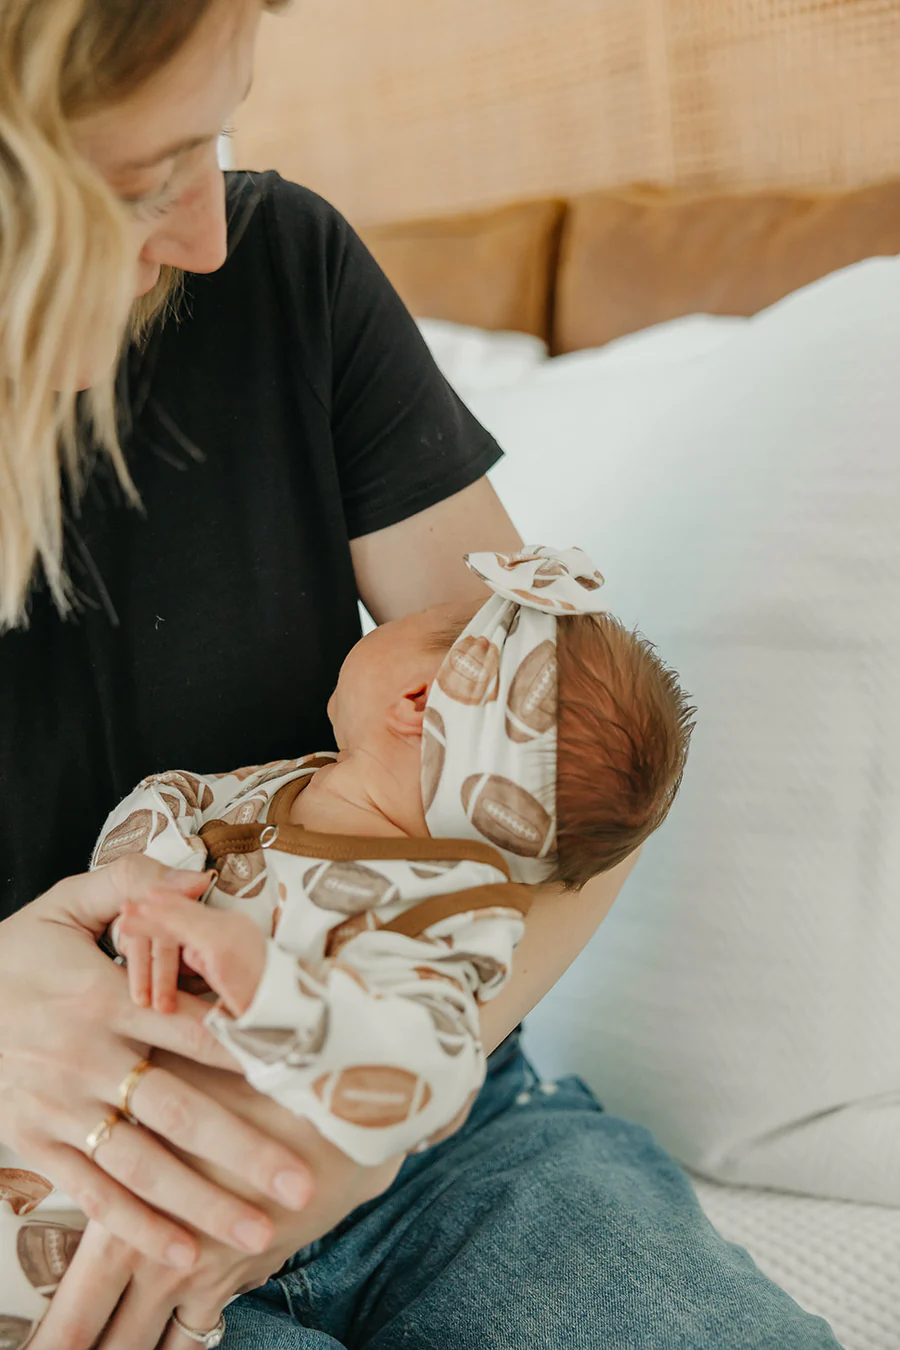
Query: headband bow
[{"x": 489, "y": 732}]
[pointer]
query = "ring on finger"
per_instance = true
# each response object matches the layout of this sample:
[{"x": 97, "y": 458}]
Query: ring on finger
[
  {"x": 207, "y": 1338},
  {"x": 128, "y": 1086},
  {"x": 100, "y": 1133}
]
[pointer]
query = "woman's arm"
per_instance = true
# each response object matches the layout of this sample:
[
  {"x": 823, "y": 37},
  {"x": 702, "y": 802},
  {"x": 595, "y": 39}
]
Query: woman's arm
[
  {"x": 558, "y": 927},
  {"x": 418, "y": 562}
]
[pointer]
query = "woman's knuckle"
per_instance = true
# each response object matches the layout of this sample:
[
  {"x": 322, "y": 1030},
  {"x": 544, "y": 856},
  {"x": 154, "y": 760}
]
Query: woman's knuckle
[
  {"x": 93, "y": 1004},
  {"x": 94, "y": 1201},
  {"x": 171, "y": 1117},
  {"x": 129, "y": 871},
  {"x": 195, "y": 1039},
  {"x": 132, "y": 1170}
]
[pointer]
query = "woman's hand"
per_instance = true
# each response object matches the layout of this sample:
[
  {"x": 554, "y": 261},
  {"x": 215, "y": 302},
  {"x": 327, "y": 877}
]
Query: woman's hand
[
  {"x": 69, "y": 1036},
  {"x": 110, "y": 1286}
]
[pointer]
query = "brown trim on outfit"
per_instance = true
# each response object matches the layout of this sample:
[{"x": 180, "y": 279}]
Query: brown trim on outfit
[
  {"x": 222, "y": 839},
  {"x": 505, "y": 895}
]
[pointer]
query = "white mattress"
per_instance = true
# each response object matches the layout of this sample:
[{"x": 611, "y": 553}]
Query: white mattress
[{"x": 839, "y": 1260}]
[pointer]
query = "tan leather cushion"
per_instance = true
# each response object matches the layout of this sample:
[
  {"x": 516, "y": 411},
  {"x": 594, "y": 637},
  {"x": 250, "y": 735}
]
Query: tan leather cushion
[
  {"x": 639, "y": 256},
  {"x": 491, "y": 269}
]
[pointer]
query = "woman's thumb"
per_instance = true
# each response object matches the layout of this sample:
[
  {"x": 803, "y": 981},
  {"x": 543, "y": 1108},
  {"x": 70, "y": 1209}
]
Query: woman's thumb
[{"x": 94, "y": 899}]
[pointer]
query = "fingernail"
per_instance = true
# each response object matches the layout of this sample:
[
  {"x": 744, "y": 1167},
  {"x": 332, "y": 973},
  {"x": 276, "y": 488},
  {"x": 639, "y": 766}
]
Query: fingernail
[
  {"x": 291, "y": 1188},
  {"x": 252, "y": 1235},
  {"x": 180, "y": 1255}
]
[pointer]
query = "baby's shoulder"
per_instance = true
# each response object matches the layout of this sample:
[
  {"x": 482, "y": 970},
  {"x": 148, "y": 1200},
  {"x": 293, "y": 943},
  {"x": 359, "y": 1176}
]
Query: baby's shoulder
[{"x": 241, "y": 795}]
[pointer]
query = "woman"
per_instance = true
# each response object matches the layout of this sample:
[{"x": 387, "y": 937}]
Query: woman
[{"x": 230, "y": 485}]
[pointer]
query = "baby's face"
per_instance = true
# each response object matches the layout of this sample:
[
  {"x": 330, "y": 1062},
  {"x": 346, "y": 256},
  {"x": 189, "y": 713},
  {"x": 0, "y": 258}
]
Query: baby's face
[{"x": 395, "y": 662}]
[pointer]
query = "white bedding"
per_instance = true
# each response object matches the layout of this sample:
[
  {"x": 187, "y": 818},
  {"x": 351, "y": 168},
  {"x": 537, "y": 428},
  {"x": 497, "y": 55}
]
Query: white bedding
[
  {"x": 738, "y": 481},
  {"x": 741, "y": 494},
  {"x": 837, "y": 1259}
]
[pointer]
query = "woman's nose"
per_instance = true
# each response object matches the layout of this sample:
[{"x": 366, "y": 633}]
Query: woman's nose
[{"x": 193, "y": 236}]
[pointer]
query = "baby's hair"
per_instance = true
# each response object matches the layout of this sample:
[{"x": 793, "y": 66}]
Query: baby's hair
[{"x": 623, "y": 730}]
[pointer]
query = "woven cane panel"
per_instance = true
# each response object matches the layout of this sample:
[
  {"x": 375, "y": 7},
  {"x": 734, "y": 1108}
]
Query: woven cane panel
[{"x": 410, "y": 108}]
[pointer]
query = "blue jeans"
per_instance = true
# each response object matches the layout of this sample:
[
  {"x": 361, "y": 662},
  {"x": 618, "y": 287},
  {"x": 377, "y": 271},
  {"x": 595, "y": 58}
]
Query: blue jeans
[{"x": 544, "y": 1224}]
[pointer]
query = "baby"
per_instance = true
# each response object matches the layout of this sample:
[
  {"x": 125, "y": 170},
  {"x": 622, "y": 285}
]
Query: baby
[{"x": 360, "y": 906}]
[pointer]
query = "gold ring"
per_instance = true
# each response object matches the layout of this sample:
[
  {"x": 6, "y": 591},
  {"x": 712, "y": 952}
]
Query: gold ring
[
  {"x": 100, "y": 1135},
  {"x": 127, "y": 1089}
]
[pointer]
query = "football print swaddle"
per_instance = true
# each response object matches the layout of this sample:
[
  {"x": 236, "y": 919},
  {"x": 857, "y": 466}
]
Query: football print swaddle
[
  {"x": 489, "y": 736},
  {"x": 35, "y": 1252}
]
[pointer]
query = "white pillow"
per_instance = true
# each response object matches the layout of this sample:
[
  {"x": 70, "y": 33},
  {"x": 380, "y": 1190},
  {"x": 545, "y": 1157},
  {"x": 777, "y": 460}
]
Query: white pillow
[
  {"x": 472, "y": 358},
  {"x": 663, "y": 344},
  {"x": 743, "y": 997}
]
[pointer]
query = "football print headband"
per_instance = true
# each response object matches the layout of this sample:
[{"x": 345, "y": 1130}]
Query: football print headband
[{"x": 489, "y": 733}]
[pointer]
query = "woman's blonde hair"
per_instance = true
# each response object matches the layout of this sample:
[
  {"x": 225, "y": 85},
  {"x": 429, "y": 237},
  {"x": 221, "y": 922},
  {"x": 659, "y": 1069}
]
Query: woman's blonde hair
[{"x": 66, "y": 273}]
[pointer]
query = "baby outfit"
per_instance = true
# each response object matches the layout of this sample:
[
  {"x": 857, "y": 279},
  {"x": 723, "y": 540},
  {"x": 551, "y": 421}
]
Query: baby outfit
[
  {"x": 379, "y": 951},
  {"x": 365, "y": 1019}
]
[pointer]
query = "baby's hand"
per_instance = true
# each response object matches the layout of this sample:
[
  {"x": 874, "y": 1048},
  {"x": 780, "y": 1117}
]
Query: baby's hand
[
  {"x": 154, "y": 964},
  {"x": 227, "y": 950}
]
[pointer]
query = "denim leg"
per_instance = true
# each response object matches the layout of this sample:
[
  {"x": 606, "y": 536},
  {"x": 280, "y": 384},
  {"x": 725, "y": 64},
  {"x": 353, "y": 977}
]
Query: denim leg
[
  {"x": 268, "y": 1319},
  {"x": 544, "y": 1224},
  {"x": 558, "y": 1226}
]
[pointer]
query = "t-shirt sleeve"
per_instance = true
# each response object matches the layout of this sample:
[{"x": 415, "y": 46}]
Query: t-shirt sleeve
[{"x": 403, "y": 440}]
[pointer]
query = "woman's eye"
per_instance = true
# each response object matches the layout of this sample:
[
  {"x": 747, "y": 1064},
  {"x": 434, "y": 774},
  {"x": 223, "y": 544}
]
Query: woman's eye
[
  {"x": 154, "y": 206},
  {"x": 153, "y": 210}
]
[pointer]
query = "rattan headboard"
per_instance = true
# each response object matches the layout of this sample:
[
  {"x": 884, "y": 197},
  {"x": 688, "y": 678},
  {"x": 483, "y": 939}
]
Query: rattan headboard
[{"x": 403, "y": 108}]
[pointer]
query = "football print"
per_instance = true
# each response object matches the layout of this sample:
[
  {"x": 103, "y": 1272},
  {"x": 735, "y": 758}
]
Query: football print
[
  {"x": 347, "y": 887},
  {"x": 488, "y": 969},
  {"x": 242, "y": 874},
  {"x": 45, "y": 1253},
  {"x": 279, "y": 908},
  {"x": 23, "y": 1191},
  {"x": 446, "y": 1130},
  {"x": 373, "y": 1095},
  {"x": 531, "y": 705},
  {"x": 279, "y": 1045},
  {"x": 451, "y": 1031},
  {"x": 507, "y": 815},
  {"x": 470, "y": 671},
  {"x": 427, "y": 871},
  {"x": 546, "y": 601},
  {"x": 547, "y": 573},
  {"x": 515, "y": 559},
  {"x": 511, "y": 618},
  {"x": 132, "y": 836},
  {"x": 345, "y": 932},
  {"x": 197, "y": 795},
  {"x": 434, "y": 750},
  {"x": 14, "y": 1332},
  {"x": 429, "y": 973},
  {"x": 246, "y": 811}
]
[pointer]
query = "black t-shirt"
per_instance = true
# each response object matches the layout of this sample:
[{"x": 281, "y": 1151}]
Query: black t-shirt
[{"x": 292, "y": 408}]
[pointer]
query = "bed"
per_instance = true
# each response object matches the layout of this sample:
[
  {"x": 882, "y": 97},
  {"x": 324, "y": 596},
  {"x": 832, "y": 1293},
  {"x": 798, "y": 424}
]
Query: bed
[{"x": 619, "y": 227}]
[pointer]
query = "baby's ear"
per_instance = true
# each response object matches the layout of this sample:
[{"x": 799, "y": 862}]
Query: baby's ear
[{"x": 405, "y": 716}]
